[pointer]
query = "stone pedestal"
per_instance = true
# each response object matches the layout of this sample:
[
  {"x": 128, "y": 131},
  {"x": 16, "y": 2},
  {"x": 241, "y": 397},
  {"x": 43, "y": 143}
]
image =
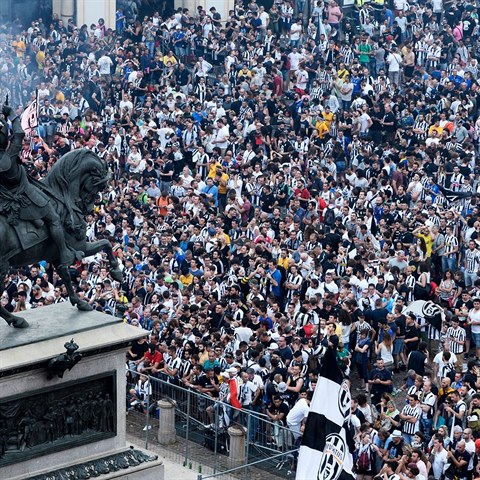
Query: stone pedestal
[
  {"x": 236, "y": 456},
  {"x": 166, "y": 424},
  {"x": 87, "y": 11},
  {"x": 48, "y": 425},
  {"x": 222, "y": 6}
]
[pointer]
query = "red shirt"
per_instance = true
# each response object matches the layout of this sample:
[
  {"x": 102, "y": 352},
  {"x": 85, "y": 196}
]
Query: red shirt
[
  {"x": 153, "y": 358},
  {"x": 302, "y": 193}
]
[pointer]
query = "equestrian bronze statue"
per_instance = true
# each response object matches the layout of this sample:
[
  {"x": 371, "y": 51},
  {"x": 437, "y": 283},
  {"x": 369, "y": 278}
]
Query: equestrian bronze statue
[{"x": 44, "y": 220}]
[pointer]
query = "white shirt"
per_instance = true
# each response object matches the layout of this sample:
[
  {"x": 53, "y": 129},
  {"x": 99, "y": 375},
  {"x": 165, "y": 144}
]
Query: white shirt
[
  {"x": 295, "y": 31},
  {"x": 298, "y": 412},
  {"x": 243, "y": 334},
  {"x": 222, "y": 137},
  {"x": 264, "y": 16},
  {"x": 302, "y": 79},
  {"x": 294, "y": 60},
  {"x": 394, "y": 60},
  {"x": 439, "y": 460},
  {"x": 104, "y": 65},
  {"x": 474, "y": 315}
]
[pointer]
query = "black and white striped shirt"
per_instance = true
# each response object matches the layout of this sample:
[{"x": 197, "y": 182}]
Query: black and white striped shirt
[
  {"x": 472, "y": 261},
  {"x": 451, "y": 243},
  {"x": 302, "y": 319},
  {"x": 294, "y": 279},
  {"x": 421, "y": 125},
  {"x": 362, "y": 327},
  {"x": 456, "y": 182},
  {"x": 410, "y": 428},
  {"x": 455, "y": 335},
  {"x": 428, "y": 399}
]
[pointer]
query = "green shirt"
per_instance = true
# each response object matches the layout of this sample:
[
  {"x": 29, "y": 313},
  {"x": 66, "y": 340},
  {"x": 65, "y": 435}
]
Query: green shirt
[{"x": 364, "y": 49}]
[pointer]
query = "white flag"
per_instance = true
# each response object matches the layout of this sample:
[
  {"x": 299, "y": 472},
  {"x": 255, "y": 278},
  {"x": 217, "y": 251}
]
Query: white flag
[
  {"x": 326, "y": 450},
  {"x": 30, "y": 117}
]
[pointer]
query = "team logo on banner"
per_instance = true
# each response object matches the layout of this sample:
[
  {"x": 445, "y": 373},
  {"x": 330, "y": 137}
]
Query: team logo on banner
[
  {"x": 331, "y": 464},
  {"x": 430, "y": 309},
  {"x": 344, "y": 399}
]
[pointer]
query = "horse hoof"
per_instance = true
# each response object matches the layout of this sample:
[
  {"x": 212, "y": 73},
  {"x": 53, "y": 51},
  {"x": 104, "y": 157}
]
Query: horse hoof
[
  {"x": 19, "y": 322},
  {"x": 117, "y": 274},
  {"x": 84, "y": 306},
  {"x": 79, "y": 255}
]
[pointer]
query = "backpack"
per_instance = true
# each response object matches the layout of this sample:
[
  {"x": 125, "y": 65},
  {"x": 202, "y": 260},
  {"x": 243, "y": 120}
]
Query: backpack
[
  {"x": 329, "y": 217},
  {"x": 363, "y": 461},
  {"x": 473, "y": 421}
]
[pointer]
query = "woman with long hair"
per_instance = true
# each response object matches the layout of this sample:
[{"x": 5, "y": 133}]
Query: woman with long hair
[
  {"x": 423, "y": 288},
  {"x": 446, "y": 289},
  {"x": 345, "y": 322},
  {"x": 365, "y": 458},
  {"x": 384, "y": 350}
]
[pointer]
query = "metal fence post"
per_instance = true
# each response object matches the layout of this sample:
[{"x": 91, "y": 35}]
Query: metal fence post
[
  {"x": 147, "y": 422},
  {"x": 187, "y": 429},
  {"x": 216, "y": 437},
  {"x": 247, "y": 442}
]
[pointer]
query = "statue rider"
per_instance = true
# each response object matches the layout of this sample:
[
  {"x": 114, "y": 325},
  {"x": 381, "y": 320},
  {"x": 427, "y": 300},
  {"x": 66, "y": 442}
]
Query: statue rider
[{"x": 20, "y": 199}]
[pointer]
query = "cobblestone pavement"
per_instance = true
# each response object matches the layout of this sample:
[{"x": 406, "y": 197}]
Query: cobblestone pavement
[{"x": 200, "y": 459}]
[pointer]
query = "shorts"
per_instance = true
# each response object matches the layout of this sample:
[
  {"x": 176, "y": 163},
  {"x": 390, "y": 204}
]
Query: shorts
[
  {"x": 398, "y": 345},
  {"x": 476, "y": 339}
]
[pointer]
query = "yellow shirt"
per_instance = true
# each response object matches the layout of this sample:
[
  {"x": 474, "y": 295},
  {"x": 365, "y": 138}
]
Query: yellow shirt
[
  {"x": 19, "y": 47},
  {"x": 283, "y": 262},
  {"x": 342, "y": 73},
  {"x": 186, "y": 279},
  {"x": 439, "y": 130},
  {"x": 322, "y": 128},
  {"x": 222, "y": 185},
  {"x": 172, "y": 60},
  {"x": 428, "y": 243},
  {"x": 40, "y": 59},
  {"x": 212, "y": 172},
  {"x": 328, "y": 117},
  {"x": 225, "y": 236}
]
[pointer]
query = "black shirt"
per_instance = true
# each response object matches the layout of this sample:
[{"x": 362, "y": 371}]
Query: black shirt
[
  {"x": 411, "y": 332},
  {"x": 138, "y": 349},
  {"x": 416, "y": 361}
]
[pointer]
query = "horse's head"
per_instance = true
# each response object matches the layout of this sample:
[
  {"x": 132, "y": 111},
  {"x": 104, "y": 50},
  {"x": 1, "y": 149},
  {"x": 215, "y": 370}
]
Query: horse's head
[{"x": 79, "y": 176}]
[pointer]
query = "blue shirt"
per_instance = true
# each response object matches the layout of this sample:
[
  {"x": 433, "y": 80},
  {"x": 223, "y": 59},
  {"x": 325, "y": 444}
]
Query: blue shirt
[
  {"x": 277, "y": 276},
  {"x": 212, "y": 190},
  {"x": 389, "y": 17}
]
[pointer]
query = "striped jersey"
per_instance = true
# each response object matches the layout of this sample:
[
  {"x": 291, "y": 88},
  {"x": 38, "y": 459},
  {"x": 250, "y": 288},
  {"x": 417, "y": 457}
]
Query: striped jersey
[
  {"x": 451, "y": 243},
  {"x": 408, "y": 427},
  {"x": 455, "y": 335},
  {"x": 472, "y": 260}
]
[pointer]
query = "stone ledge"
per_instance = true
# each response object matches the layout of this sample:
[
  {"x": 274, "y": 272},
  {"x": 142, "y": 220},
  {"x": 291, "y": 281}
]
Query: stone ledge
[
  {"x": 130, "y": 464},
  {"x": 52, "y": 326}
]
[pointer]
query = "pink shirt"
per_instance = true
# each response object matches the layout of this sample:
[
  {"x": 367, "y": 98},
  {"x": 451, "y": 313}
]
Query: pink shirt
[
  {"x": 334, "y": 14},
  {"x": 458, "y": 33}
]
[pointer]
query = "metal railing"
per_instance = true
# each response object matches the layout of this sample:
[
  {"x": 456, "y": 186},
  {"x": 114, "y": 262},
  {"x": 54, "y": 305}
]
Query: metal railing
[{"x": 202, "y": 432}]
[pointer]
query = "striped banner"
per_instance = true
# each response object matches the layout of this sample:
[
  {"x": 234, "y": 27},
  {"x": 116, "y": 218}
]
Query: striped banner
[{"x": 327, "y": 443}]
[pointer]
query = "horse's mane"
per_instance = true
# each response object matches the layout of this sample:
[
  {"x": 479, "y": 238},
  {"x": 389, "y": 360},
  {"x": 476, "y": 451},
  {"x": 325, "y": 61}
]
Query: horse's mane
[{"x": 67, "y": 171}]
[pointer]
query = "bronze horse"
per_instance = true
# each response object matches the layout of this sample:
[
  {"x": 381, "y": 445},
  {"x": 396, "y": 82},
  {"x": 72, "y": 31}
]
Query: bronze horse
[{"x": 72, "y": 186}]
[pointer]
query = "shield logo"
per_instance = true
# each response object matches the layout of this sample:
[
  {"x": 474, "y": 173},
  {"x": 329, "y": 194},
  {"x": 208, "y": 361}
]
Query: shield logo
[
  {"x": 344, "y": 399},
  {"x": 430, "y": 309},
  {"x": 331, "y": 464}
]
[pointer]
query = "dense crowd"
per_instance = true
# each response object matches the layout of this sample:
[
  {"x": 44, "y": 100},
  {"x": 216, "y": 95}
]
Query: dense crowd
[{"x": 285, "y": 180}]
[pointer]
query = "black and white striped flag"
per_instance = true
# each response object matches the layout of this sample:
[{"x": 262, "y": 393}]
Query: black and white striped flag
[
  {"x": 452, "y": 196},
  {"x": 327, "y": 445},
  {"x": 30, "y": 116}
]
